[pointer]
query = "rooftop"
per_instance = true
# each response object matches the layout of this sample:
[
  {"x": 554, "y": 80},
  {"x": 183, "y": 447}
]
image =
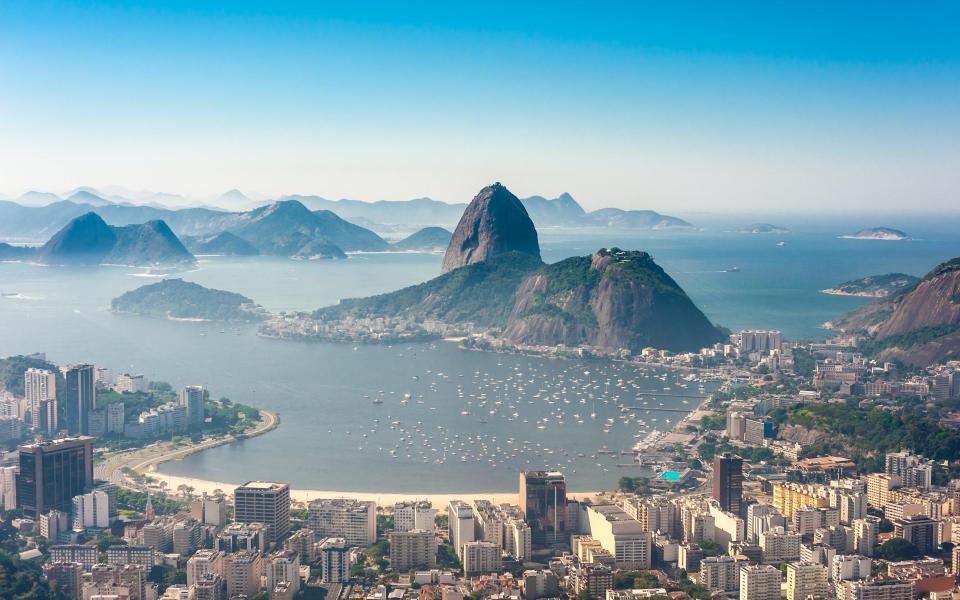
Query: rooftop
[
  {"x": 620, "y": 521},
  {"x": 263, "y": 485}
]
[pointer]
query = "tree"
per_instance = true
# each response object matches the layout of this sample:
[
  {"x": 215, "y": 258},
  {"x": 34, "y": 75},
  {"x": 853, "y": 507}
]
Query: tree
[
  {"x": 896, "y": 549},
  {"x": 710, "y": 548},
  {"x": 22, "y": 580}
]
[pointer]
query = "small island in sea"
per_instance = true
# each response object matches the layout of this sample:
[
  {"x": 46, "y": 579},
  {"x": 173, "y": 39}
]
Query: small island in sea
[
  {"x": 874, "y": 286},
  {"x": 763, "y": 228},
  {"x": 876, "y": 233},
  {"x": 181, "y": 300}
]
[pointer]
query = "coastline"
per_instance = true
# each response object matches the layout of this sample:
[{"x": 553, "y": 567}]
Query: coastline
[
  {"x": 381, "y": 498},
  {"x": 148, "y": 466},
  {"x": 839, "y": 292}
]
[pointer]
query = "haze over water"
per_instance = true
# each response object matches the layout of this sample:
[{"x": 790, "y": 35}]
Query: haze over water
[{"x": 322, "y": 391}]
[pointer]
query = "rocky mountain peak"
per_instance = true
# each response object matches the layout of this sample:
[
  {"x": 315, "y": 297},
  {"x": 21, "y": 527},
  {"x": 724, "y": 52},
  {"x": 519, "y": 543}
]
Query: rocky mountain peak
[{"x": 494, "y": 223}]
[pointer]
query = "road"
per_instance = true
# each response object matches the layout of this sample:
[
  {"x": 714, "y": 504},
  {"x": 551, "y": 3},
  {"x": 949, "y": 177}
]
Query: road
[{"x": 143, "y": 459}]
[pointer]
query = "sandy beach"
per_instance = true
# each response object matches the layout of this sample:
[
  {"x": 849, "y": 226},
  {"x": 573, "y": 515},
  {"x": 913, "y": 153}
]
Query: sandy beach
[{"x": 381, "y": 498}]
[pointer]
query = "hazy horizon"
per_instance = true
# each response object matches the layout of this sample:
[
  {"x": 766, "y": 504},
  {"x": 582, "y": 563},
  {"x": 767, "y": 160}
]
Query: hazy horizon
[{"x": 681, "y": 108}]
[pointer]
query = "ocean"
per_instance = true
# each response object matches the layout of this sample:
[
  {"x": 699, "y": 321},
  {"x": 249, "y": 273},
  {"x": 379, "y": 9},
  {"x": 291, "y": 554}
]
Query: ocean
[{"x": 333, "y": 436}]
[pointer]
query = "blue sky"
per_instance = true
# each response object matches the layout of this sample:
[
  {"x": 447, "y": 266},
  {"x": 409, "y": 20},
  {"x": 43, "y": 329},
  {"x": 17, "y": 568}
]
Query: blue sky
[{"x": 672, "y": 106}]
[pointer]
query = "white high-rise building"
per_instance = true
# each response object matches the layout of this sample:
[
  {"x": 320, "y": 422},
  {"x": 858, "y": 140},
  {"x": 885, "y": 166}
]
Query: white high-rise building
[
  {"x": 243, "y": 571},
  {"x": 848, "y": 567},
  {"x": 91, "y": 511},
  {"x": 518, "y": 539},
  {"x": 284, "y": 566},
  {"x": 130, "y": 384},
  {"x": 720, "y": 574},
  {"x": 762, "y": 518},
  {"x": 335, "y": 560},
  {"x": 877, "y": 589},
  {"x": 353, "y": 520},
  {"x": 865, "y": 533},
  {"x": 412, "y": 549},
  {"x": 759, "y": 582},
  {"x": 8, "y": 488},
  {"x": 103, "y": 377},
  {"x": 40, "y": 390},
  {"x": 481, "y": 557},
  {"x": 804, "y": 580},
  {"x": 203, "y": 562},
  {"x": 460, "y": 525},
  {"x": 52, "y": 524},
  {"x": 759, "y": 340},
  {"x": 413, "y": 515},
  {"x": 779, "y": 546},
  {"x": 621, "y": 535},
  {"x": 914, "y": 471}
]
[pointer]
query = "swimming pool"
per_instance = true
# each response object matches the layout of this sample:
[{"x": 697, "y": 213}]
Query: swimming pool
[{"x": 670, "y": 476}]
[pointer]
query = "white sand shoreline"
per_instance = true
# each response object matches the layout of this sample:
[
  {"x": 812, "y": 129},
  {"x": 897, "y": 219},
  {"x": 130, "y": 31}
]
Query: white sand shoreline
[{"x": 439, "y": 500}]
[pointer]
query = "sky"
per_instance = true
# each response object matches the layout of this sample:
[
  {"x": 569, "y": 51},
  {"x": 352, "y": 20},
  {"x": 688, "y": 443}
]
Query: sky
[{"x": 673, "y": 106}]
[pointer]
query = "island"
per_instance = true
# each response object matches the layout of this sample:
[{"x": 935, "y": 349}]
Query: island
[
  {"x": 874, "y": 286},
  {"x": 495, "y": 290},
  {"x": 763, "y": 228},
  {"x": 876, "y": 233},
  {"x": 180, "y": 300}
]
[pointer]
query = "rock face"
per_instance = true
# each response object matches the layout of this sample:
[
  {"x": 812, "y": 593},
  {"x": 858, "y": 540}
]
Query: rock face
[
  {"x": 481, "y": 293},
  {"x": 920, "y": 326},
  {"x": 935, "y": 301},
  {"x": 494, "y": 223},
  {"x": 612, "y": 299},
  {"x": 88, "y": 240}
]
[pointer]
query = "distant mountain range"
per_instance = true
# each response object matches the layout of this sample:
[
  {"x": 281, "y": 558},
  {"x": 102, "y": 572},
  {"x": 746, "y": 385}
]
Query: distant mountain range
[
  {"x": 289, "y": 228},
  {"x": 284, "y": 228},
  {"x": 36, "y": 215},
  {"x": 493, "y": 277},
  {"x": 87, "y": 240},
  {"x": 429, "y": 239}
]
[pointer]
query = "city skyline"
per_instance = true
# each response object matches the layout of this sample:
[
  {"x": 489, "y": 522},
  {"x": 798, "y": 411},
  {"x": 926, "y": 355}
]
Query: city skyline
[{"x": 834, "y": 108}]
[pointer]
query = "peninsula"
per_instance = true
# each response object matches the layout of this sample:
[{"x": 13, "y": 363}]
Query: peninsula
[{"x": 874, "y": 286}]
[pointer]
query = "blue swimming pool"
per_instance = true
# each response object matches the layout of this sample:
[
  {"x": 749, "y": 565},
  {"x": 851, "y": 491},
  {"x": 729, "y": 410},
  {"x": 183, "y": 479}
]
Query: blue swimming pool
[{"x": 671, "y": 475}]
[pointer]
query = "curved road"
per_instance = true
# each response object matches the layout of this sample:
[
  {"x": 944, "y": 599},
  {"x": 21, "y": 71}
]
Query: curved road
[{"x": 144, "y": 459}]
